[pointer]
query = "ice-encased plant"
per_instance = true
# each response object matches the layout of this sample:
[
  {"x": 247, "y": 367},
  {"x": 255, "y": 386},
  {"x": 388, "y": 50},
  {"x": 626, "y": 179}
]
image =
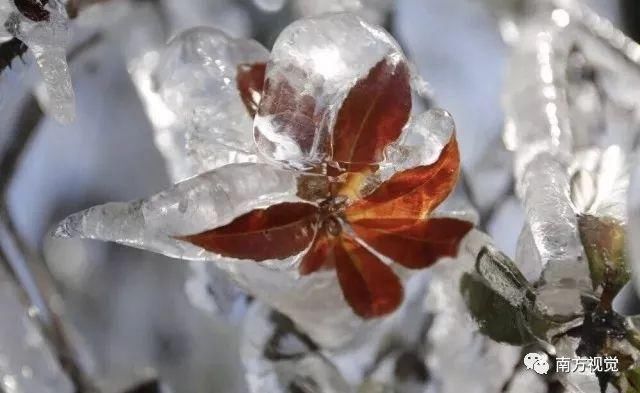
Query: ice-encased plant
[
  {"x": 328, "y": 200},
  {"x": 43, "y": 27},
  {"x": 572, "y": 125}
]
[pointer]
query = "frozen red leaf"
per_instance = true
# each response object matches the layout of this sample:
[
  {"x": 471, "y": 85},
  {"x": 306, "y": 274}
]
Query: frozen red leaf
[
  {"x": 291, "y": 111},
  {"x": 413, "y": 193},
  {"x": 415, "y": 245},
  {"x": 320, "y": 255},
  {"x": 250, "y": 81},
  {"x": 373, "y": 114},
  {"x": 370, "y": 287},
  {"x": 276, "y": 232}
]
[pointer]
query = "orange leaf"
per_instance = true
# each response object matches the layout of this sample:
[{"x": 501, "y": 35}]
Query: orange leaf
[
  {"x": 413, "y": 193},
  {"x": 373, "y": 114},
  {"x": 250, "y": 80},
  {"x": 276, "y": 232},
  {"x": 413, "y": 245},
  {"x": 370, "y": 287}
]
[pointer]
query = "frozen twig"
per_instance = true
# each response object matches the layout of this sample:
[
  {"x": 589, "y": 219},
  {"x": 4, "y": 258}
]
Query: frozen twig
[{"x": 18, "y": 260}]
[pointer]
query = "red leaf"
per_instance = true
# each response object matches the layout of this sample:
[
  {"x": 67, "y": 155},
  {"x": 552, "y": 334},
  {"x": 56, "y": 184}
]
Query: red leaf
[
  {"x": 370, "y": 287},
  {"x": 373, "y": 114},
  {"x": 413, "y": 245},
  {"x": 319, "y": 256},
  {"x": 250, "y": 80},
  {"x": 411, "y": 194},
  {"x": 293, "y": 112},
  {"x": 277, "y": 232}
]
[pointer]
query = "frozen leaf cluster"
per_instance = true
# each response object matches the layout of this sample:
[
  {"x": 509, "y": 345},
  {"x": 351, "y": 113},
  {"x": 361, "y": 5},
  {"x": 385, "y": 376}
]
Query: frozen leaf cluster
[{"x": 341, "y": 181}]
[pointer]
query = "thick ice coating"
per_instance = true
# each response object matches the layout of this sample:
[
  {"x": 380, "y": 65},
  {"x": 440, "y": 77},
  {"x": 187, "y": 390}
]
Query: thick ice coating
[
  {"x": 314, "y": 64},
  {"x": 198, "y": 80},
  {"x": 203, "y": 202},
  {"x": 45, "y": 31}
]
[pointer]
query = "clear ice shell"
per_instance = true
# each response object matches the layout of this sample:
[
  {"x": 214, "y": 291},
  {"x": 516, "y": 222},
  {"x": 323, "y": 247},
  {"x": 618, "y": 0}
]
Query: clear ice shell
[
  {"x": 553, "y": 224},
  {"x": 196, "y": 79},
  {"x": 211, "y": 200},
  {"x": 422, "y": 141},
  {"x": 195, "y": 205},
  {"x": 48, "y": 40},
  {"x": 320, "y": 58}
]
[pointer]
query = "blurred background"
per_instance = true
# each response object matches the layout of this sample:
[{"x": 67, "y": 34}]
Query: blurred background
[{"x": 135, "y": 315}]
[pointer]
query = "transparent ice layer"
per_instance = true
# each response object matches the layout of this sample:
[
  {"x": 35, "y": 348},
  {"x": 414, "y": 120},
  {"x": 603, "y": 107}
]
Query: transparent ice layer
[
  {"x": 553, "y": 224},
  {"x": 422, "y": 142},
  {"x": 195, "y": 205}
]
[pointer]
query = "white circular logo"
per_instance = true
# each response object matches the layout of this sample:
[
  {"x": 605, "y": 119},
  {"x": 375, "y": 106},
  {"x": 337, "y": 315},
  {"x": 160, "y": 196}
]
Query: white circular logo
[{"x": 537, "y": 362}]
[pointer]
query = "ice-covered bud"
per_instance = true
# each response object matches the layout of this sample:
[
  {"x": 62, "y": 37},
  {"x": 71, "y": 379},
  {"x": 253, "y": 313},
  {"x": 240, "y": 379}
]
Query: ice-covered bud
[{"x": 314, "y": 65}]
